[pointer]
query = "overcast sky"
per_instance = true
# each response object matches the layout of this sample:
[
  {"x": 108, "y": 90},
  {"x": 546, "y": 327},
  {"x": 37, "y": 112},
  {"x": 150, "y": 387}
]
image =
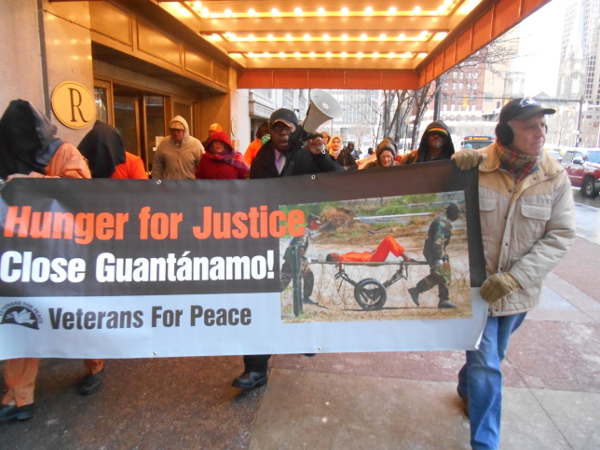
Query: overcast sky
[{"x": 541, "y": 36}]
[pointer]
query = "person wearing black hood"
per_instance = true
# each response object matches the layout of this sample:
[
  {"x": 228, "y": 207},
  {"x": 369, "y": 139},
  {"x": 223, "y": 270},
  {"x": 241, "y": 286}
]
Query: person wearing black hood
[
  {"x": 29, "y": 148},
  {"x": 346, "y": 158},
  {"x": 107, "y": 157},
  {"x": 435, "y": 145}
]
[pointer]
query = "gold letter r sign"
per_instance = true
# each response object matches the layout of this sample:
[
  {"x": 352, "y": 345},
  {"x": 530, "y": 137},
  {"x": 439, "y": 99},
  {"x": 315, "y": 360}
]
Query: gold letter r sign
[{"x": 73, "y": 105}]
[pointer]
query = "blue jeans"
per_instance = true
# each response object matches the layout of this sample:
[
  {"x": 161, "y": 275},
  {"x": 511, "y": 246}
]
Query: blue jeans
[{"x": 481, "y": 380}]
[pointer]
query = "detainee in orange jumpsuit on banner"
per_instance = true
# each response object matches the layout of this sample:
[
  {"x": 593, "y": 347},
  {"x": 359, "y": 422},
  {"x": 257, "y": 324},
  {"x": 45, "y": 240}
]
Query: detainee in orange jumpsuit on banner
[{"x": 380, "y": 254}]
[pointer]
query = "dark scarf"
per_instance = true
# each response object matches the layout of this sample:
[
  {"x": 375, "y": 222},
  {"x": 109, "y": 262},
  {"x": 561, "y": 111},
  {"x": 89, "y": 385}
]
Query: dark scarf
[
  {"x": 104, "y": 150},
  {"x": 27, "y": 140},
  {"x": 517, "y": 163}
]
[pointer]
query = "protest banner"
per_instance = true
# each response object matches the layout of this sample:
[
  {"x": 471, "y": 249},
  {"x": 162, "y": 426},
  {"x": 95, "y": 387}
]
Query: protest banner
[{"x": 136, "y": 268}]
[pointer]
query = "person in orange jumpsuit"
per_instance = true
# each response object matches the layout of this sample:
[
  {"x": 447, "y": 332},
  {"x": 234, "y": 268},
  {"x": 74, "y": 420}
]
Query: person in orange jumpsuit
[
  {"x": 105, "y": 151},
  {"x": 380, "y": 254},
  {"x": 30, "y": 149}
]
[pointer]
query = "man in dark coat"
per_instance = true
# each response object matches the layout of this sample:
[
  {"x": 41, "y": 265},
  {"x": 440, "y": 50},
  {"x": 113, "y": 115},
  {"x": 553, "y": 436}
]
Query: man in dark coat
[
  {"x": 283, "y": 155},
  {"x": 436, "y": 144},
  {"x": 276, "y": 158}
]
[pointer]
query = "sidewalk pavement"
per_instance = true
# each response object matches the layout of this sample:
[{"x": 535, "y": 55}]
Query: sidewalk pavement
[{"x": 341, "y": 401}]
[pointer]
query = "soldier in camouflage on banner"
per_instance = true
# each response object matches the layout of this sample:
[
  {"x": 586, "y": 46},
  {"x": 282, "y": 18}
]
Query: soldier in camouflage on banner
[
  {"x": 440, "y": 232},
  {"x": 304, "y": 272}
]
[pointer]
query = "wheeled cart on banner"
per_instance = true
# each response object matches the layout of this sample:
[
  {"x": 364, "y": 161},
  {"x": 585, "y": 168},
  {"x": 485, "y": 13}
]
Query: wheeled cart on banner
[{"x": 369, "y": 293}]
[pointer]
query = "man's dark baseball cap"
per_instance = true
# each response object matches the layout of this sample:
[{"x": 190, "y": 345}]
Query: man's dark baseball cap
[
  {"x": 523, "y": 108},
  {"x": 284, "y": 115}
]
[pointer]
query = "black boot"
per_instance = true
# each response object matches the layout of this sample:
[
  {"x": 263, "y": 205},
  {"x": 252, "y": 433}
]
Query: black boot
[
  {"x": 445, "y": 304},
  {"x": 414, "y": 294},
  {"x": 250, "y": 380}
]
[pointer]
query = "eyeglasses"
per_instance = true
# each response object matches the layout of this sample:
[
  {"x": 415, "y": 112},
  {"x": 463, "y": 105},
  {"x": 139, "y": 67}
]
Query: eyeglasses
[
  {"x": 176, "y": 130},
  {"x": 527, "y": 101}
]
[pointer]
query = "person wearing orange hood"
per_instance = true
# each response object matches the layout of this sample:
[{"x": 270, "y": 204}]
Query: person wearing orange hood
[
  {"x": 220, "y": 161},
  {"x": 29, "y": 148}
]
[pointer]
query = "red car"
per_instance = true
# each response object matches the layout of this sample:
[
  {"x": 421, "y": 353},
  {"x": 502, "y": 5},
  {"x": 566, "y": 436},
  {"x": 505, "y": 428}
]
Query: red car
[{"x": 583, "y": 168}]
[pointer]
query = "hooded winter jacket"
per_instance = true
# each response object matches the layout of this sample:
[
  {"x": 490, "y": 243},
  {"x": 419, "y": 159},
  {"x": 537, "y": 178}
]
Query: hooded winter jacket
[
  {"x": 526, "y": 229},
  {"x": 177, "y": 162},
  {"x": 421, "y": 154}
]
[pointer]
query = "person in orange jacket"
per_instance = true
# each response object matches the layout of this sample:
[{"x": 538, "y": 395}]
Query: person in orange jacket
[{"x": 257, "y": 143}]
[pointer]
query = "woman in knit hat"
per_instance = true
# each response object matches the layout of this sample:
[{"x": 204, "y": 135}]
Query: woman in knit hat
[{"x": 386, "y": 155}]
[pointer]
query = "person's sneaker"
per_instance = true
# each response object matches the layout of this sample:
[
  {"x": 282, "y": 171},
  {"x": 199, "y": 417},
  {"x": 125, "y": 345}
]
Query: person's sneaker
[
  {"x": 91, "y": 383},
  {"x": 445, "y": 304},
  {"x": 8, "y": 412},
  {"x": 465, "y": 401},
  {"x": 414, "y": 294}
]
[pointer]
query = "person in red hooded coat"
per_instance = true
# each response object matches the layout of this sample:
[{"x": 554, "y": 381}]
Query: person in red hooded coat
[{"x": 220, "y": 161}]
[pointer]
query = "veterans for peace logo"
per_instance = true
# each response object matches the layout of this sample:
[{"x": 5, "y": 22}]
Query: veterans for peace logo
[{"x": 20, "y": 313}]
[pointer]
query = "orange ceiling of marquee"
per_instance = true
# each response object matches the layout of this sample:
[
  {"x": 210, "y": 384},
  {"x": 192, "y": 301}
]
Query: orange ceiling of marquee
[{"x": 347, "y": 43}]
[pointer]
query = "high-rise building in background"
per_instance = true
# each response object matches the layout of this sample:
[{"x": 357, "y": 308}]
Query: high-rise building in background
[{"x": 579, "y": 75}]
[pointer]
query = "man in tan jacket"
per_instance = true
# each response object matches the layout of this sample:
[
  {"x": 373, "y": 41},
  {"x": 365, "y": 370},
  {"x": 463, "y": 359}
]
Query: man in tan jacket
[
  {"x": 528, "y": 224},
  {"x": 178, "y": 155}
]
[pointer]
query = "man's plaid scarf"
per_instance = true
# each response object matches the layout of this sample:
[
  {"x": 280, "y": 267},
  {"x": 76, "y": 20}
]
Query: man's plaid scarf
[{"x": 517, "y": 163}]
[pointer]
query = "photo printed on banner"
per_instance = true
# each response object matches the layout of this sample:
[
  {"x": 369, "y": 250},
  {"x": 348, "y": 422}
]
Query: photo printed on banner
[{"x": 386, "y": 258}]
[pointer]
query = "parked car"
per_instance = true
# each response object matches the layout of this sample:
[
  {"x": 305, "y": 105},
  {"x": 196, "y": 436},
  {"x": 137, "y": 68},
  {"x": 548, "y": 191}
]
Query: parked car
[
  {"x": 556, "y": 154},
  {"x": 583, "y": 168}
]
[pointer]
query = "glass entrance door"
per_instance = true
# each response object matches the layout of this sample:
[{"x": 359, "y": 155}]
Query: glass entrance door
[{"x": 127, "y": 122}]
